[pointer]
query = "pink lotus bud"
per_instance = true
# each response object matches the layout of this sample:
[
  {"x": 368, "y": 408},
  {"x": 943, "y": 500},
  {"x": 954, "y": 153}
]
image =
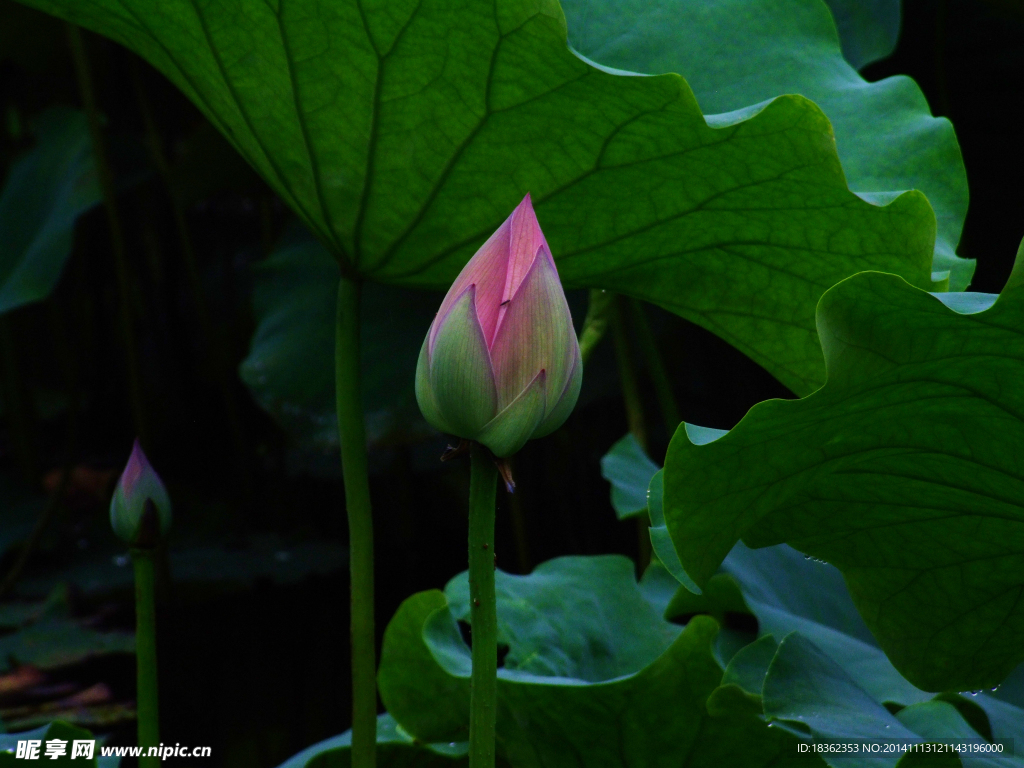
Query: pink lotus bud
[
  {"x": 138, "y": 485},
  {"x": 501, "y": 363}
]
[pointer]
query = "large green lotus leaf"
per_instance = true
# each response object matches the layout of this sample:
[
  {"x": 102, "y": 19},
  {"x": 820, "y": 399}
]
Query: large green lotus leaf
[
  {"x": 734, "y": 53},
  {"x": 583, "y": 682},
  {"x": 584, "y": 618},
  {"x": 868, "y": 29},
  {"x": 903, "y": 470},
  {"x": 44, "y": 194},
  {"x": 395, "y": 749},
  {"x": 404, "y": 132}
]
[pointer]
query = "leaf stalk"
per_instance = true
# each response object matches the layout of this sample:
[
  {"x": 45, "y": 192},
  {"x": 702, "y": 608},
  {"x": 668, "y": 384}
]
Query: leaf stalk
[{"x": 352, "y": 434}]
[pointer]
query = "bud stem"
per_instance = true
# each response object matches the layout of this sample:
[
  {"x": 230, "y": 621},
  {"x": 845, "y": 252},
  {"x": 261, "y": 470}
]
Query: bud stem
[
  {"x": 352, "y": 433},
  {"x": 145, "y": 654},
  {"x": 483, "y": 609}
]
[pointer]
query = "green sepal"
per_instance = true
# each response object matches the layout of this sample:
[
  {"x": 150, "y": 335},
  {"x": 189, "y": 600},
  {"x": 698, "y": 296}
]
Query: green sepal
[{"x": 425, "y": 394}]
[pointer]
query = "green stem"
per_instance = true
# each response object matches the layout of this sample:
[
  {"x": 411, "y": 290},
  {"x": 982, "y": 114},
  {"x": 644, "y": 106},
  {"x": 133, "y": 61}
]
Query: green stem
[
  {"x": 656, "y": 367},
  {"x": 595, "y": 324},
  {"x": 483, "y": 609},
  {"x": 634, "y": 416},
  {"x": 105, "y": 176},
  {"x": 628, "y": 378},
  {"x": 352, "y": 432},
  {"x": 145, "y": 653}
]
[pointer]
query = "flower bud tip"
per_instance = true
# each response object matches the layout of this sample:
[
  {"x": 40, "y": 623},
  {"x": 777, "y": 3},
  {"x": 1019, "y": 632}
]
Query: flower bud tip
[{"x": 140, "y": 509}]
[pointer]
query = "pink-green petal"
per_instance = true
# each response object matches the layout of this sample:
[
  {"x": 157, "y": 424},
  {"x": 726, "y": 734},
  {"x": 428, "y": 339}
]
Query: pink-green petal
[
  {"x": 460, "y": 370},
  {"x": 486, "y": 270},
  {"x": 525, "y": 241},
  {"x": 560, "y": 408},
  {"x": 509, "y": 430},
  {"x": 535, "y": 334}
]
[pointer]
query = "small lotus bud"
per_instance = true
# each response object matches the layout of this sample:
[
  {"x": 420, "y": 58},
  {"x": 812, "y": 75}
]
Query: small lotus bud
[
  {"x": 140, "y": 510},
  {"x": 501, "y": 362}
]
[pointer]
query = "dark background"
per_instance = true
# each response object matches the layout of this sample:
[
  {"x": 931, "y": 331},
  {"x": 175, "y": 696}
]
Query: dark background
[{"x": 254, "y": 665}]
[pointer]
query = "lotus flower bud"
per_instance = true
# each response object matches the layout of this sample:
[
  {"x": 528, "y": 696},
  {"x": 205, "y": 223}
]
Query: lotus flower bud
[
  {"x": 140, "y": 510},
  {"x": 501, "y": 363}
]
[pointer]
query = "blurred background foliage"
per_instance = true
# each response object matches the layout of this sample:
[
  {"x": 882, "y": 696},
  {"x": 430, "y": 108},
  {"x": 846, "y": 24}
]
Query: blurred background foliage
[{"x": 253, "y": 629}]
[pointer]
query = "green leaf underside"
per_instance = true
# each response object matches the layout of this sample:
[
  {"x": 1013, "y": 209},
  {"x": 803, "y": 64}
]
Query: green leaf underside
[
  {"x": 629, "y": 471},
  {"x": 902, "y": 471},
  {"x": 44, "y": 194},
  {"x": 636, "y": 718},
  {"x": 403, "y": 134},
  {"x": 885, "y": 134}
]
